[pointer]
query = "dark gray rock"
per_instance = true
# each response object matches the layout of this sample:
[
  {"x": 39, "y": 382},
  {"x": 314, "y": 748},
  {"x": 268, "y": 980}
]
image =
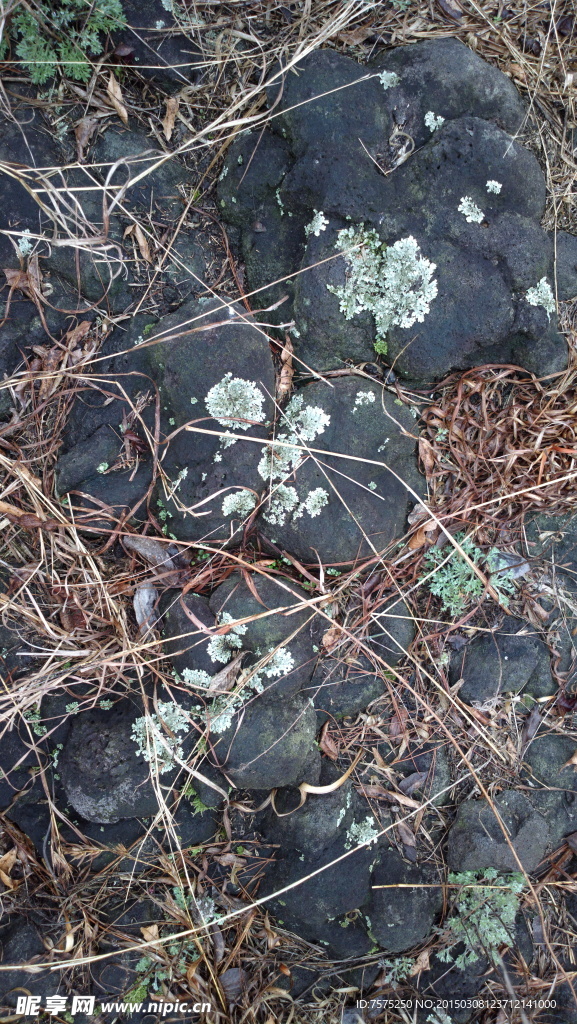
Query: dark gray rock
[
  {"x": 21, "y": 945},
  {"x": 83, "y": 461},
  {"x": 339, "y": 688},
  {"x": 427, "y": 759},
  {"x": 512, "y": 659},
  {"x": 400, "y": 918},
  {"x": 320, "y": 820},
  {"x": 337, "y": 890},
  {"x": 376, "y": 496},
  {"x": 445, "y": 76},
  {"x": 211, "y": 341},
  {"x": 272, "y": 744},
  {"x": 298, "y": 632},
  {"x": 392, "y": 630},
  {"x": 184, "y": 642},
  {"x": 16, "y": 760},
  {"x": 132, "y": 154},
  {"x": 339, "y": 126},
  {"x": 476, "y": 840},
  {"x": 168, "y": 58},
  {"x": 566, "y": 265},
  {"x": 444, "y": 981},
  {"x": 553, "y": 789},
  {"x": 104, "y": 777}
]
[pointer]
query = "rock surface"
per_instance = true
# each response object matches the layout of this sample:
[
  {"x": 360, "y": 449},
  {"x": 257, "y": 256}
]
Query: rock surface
[
  {"x": 400, "y": 918},
  {"x": 484, "y": 266},
  {"x": 513, "y": 659},
  {"x": 476, "y": 840}
]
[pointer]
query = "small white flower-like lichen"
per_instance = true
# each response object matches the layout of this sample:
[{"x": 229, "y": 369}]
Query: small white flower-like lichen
[
  {"x": 433, "y": 121},
  {"x": 542, "y": 295},
  {"x": 314, "y": 502},
  {"x": 279, "y": 664},
  {"x": 25, "y": 243},
  {"x": 494, "y": 186},
  {"x": 470, "y": 211},
  {"x": 222, "y": 647},
  {"x": 159, "y": 25},
  {"x": 318, "y": 223},
  {"x": 241, "y": 504},
  {"x": 223, "y": 173},
  {"x": 235, "y": 399},
  {"x": 193, "y": 401},
  {"x": 102, "y": 467},
  {"x": 153, "y": 743},
  {"x": 363, "y": 398},
  {"x": 362, "y": 832},
  {"x": 303, "y": 423},
  {"x": 388, "y": 79},
  {"x": 372, "y": 485},
  {"x": 283, "y": 502},
  {"x": 196, "y": 678},
  {"x": 395, "y": 283}
]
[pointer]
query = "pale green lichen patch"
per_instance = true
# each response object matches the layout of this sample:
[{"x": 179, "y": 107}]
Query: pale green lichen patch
[
  {"x": 388, "y": 79},
  {"x": 241, "y": 504},
  {"x": 542, "y": 295},
  {"x": 235, "y": 403},
  {"x": 363, "y": 398},
  {"x": 433, "y": 121},
  {"x": 395, "y": 283},
  {"x": 494, "y": 186},
  {"x": 318, "y": 223},
  {"x": 154, "y": 743},
  {"x": 222, "y": 647},
  {"x": 470, "y": 211},
  {"x": 362, "y": 833}
]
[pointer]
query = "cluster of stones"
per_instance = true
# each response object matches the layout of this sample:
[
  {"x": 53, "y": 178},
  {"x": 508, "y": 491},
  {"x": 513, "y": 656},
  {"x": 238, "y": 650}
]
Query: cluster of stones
[{"x": 405, "y": 174}]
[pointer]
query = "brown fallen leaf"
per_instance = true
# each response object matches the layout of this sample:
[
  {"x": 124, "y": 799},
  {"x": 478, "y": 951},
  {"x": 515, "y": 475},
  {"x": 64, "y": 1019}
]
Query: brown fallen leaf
[
  {"x": 571, "y": 841},
  {"x": 143, "y": 603},
  {"x": 398, "y": 724},
  {"x": 136, "y": 230},
  {"x": 427, "y": 455},
  {"x": 224, "y": 680},
  {"x": 377, "y": 792},
  {"x": 405, "y": 833},
  {"x": 287, "y": 369},
  {"x": 83, "y": 132},
  {"x": 331, "y": 637},
  {"x": 451, "y": 9},
  {"x": 149, "y": 932},
  {"x": 7, "y": 862},
  {"x": 421, "y": 963},
  {"x": 424, "y": 533},
  {"x": 412, "y": 782},
  {"x": 172, "y": 104},
  {"x": 232, "y": 983},
  {"x": 531, "y": 725},
  {"x": 114, "y": 94},
  {"x": 327, "y": 744}
]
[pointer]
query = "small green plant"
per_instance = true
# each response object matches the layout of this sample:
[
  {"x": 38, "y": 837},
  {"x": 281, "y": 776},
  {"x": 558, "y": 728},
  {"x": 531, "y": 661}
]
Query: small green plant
[
  {"x": 455, "y": 582},
  {"x": 52, "y": 34},
  {"x": 397, "y": 970},
  {"x": 484, "y": 915}
]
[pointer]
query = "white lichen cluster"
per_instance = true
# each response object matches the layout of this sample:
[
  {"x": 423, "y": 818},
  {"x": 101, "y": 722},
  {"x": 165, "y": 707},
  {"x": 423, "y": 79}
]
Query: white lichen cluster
[
  {"x": 542, "y": 295},
  {"x": 235, "y": 403},
  {"x": 363, "y": 398},
  {"x": 154, "y": 743},
  {"x": 318, "y": 223},
  {"x": 222, "y": 647},
  {"x": 362, "y": 833},
  {"x": 470, "y": 211},
  {"x": 388, "y": 79},
  {"x": 433, "y": 121},
  {"x": 25, "y": 243},
  {"x": 218, "y": 714},
  {"x": 394, "y": 283},
  {"x": 494, "y": 186},
  {"x": 303, "y": 423},
  {"x": 240, "y": 504}
]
